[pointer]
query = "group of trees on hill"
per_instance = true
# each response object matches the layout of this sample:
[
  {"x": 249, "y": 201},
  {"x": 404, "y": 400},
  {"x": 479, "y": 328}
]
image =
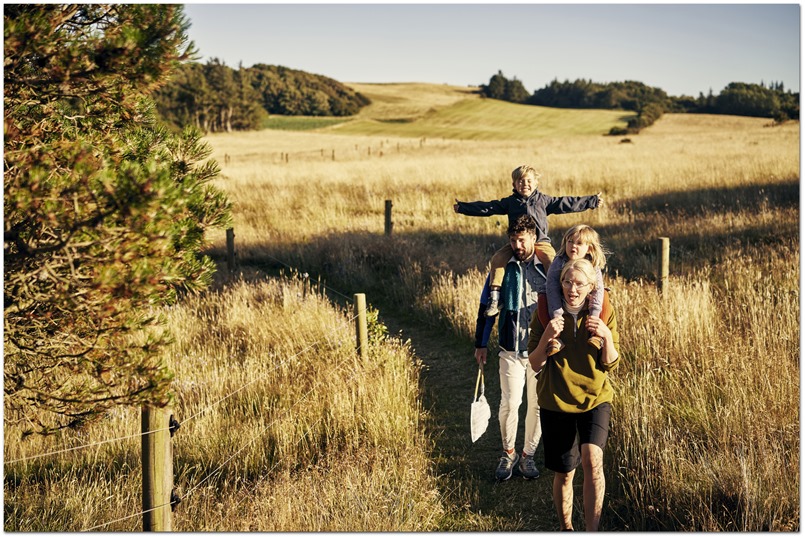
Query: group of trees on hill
[
  {"x": 105, "y": 211},
  {"x": 215, "y": 97},
  {"x": 648, "y": 102}
]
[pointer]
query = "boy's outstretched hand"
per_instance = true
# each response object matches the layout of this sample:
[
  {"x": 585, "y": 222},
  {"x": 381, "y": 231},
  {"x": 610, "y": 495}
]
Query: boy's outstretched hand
[{"x": 600, "y": 200}]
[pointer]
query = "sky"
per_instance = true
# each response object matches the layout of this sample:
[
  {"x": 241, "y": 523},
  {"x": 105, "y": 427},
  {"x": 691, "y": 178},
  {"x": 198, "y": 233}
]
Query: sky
[{"x": 683, "y": 49}]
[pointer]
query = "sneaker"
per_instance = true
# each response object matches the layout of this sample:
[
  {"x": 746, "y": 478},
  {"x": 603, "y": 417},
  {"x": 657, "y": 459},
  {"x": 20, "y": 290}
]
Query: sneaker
[
  {"x": 555, "y": 345},
  {"x": 528, "y": 468},
  {"x": 506, "y": 466},
  {"x": 493, "y": 308},
  {"x": 596, "y": 342}
]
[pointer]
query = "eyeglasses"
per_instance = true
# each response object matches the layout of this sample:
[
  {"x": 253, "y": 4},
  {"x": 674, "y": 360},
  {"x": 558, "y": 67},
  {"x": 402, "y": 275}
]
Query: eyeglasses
[{"x": 567, "y": 284}]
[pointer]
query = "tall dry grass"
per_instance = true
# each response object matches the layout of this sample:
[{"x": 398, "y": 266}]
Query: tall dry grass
[
  {"x": 283, "y": 428},
  {"x": 706, "y": 429},
  {"x": 706, "y": 434}
]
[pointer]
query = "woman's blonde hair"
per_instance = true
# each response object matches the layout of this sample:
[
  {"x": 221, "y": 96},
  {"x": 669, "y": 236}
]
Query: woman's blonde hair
[
  {"x": 596, "y": 253},
  {"x": 584, "y": 266}
]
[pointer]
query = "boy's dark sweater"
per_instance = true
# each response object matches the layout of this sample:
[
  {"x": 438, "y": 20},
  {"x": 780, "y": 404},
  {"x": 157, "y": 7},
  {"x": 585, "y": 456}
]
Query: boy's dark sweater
[{"x": 537, "y": 205}]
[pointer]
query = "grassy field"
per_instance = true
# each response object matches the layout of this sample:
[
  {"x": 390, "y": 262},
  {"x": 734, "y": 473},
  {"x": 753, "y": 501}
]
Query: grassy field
[{"x": 284, "y": 430}]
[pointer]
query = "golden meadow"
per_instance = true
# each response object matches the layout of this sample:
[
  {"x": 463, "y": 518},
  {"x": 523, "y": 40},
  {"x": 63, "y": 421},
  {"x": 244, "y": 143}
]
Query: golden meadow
[{"x": 284, "y": 429}]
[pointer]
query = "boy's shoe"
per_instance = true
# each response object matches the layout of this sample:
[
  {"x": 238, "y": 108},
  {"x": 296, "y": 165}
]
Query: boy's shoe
[
  {"x": 596, "y": 342},
  {"x": 528, "y": 468},
  {"x": 494, "y": 307},
  {"x": 506, "y": 466},
  {"x": 555, "y": 345}
]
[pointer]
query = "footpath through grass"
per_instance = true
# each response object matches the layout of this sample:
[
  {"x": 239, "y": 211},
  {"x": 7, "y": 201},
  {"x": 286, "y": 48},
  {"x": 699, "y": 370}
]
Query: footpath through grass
[{"x": 474, "y": 500}]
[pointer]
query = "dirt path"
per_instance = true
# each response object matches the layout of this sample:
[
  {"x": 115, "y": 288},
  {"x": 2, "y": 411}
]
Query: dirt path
[{"x": 467, "y": 469}]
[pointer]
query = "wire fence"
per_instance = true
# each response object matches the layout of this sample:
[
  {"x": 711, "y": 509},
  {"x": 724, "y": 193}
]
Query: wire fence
[
  {"x": 289, "y": 360},
  {"x": 344, "y": 153}
]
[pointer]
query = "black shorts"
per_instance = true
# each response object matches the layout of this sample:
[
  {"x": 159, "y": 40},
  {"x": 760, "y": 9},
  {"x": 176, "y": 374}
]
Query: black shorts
[{"x": 564, "y": 432}]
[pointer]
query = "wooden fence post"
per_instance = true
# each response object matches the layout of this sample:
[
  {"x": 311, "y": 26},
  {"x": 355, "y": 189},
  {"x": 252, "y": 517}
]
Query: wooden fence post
[
  {"x": 157, "y": 464},
  {"x": 389, "y": 223},
  {"x": 361, "y": 328},
  {"x": 230, "y": 250},
  {"x": 662, "y": 268}
]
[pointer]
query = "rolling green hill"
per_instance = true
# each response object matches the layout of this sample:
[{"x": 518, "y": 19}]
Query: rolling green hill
[
  {"x": 488, "y": 119},
  {"x": 441, "y": 111}
]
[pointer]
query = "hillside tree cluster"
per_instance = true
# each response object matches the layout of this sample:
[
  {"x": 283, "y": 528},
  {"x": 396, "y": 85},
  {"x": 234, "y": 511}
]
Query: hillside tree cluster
[
  {"x": 105, "y": 211},
  {"x": 649, "y": 103},
  {"x": 216, "y": 98}
]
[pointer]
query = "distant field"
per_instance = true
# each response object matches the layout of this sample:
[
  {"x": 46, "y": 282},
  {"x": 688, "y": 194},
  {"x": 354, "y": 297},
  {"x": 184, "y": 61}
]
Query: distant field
[
  {"x": 297, "y": 123},
  {"x": 410, "y": 101}
]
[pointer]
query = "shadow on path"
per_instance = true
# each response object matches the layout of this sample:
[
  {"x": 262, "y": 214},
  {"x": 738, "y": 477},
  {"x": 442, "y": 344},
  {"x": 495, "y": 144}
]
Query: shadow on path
[{"x": 475, "y": 501}]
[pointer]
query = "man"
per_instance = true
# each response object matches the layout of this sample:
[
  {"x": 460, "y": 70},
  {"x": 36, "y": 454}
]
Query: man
[{"x": 524, "y": 279}]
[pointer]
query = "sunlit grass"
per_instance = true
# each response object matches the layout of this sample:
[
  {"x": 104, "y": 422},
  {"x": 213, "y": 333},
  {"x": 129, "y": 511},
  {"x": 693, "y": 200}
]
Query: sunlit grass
[
  {"x": 706, "y": 429},
  {"x": 725, "y": 190},
  {"x": 314, "y": 429}
]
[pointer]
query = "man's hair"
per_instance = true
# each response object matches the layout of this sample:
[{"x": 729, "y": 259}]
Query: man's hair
[{"x": 524, "y": 223}]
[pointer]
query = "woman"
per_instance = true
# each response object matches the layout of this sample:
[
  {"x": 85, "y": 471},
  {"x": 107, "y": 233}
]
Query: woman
[{"x": 574, "y": 393}]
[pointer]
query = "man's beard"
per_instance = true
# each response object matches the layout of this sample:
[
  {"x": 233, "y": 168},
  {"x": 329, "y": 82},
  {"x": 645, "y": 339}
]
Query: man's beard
[{"x": 522, "y": 255}]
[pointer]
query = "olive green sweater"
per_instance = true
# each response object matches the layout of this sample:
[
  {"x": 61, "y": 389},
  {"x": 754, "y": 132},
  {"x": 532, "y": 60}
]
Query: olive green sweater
[{"x": 574, "y": 380}]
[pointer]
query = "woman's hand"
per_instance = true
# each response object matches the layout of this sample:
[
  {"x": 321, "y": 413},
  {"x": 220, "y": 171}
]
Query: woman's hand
[
  {"x": 555, "y": 327},
  {"x": 597, "y": 327}
]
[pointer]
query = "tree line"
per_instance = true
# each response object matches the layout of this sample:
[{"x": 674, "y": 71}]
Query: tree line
[
  {"x": 216, "y": 98},
  {"x": 649, "y": 103}
]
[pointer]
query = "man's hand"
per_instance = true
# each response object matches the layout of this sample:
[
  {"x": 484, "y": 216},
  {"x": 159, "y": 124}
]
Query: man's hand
[
  {"x": 455, "y": 206},
  {"x": 480, "y": 356}
]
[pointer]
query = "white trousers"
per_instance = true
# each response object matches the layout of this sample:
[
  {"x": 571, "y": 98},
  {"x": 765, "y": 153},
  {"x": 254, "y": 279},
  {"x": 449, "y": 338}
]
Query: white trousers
[{"x": 516, "y": 374}]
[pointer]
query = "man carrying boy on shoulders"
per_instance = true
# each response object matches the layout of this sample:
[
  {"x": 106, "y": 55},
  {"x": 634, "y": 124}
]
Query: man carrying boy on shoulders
[{"x": 524, "y": 279}]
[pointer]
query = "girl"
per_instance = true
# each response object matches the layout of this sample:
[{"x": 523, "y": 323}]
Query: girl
[{"x": 580, "y": 241}]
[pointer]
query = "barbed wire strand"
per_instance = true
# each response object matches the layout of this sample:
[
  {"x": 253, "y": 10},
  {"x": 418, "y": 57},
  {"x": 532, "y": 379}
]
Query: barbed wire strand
[
  {"x": 141, "y": 513},
  {"x": 74, "y": 448}
]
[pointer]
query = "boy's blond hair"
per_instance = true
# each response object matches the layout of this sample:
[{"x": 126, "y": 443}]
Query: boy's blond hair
[
  {"x": 596, "y": 253},
  {"x": 525, "y": 171}
]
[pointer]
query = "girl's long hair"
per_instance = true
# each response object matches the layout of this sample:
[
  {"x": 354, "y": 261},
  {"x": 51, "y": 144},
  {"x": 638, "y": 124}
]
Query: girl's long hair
[{"x": 597, "y": 254}]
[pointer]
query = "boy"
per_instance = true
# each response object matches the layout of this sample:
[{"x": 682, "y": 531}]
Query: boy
[{"x": 526, "y": 199}]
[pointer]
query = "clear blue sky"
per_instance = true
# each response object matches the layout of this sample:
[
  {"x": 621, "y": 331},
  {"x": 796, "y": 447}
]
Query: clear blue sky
[{"x": 683, "y": 49}]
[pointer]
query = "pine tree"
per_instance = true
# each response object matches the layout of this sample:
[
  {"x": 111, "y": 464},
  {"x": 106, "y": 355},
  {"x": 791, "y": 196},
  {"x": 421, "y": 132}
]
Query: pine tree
[{"x": 105, "y": 211}]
